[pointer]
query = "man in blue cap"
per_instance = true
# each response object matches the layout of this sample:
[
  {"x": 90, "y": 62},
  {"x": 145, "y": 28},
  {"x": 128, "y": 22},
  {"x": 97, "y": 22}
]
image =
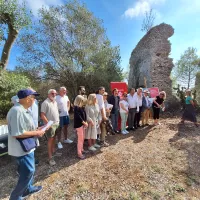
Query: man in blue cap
[{"x": 20, "y": 126}]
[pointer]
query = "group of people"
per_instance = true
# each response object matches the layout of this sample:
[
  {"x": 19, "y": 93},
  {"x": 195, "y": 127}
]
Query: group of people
[{"x": 95, "y": 116}]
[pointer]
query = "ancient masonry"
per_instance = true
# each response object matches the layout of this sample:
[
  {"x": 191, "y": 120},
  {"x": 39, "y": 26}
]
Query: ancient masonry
[{"x": 150, "y": 65}]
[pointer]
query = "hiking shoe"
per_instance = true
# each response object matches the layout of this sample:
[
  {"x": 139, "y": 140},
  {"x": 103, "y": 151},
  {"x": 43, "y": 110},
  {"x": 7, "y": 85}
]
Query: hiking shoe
[
  {"x": 52, "y": 162},
  {"x": 60, "y": 146},
  {"x": 68, "y": 141},
  {"x": 35, "y": 190},
  {"x": 96, "y": 146},
  {"x": 92, "y": 148}
]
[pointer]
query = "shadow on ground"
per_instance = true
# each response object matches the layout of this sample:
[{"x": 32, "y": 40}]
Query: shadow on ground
[{"x": 187, "y": 139}]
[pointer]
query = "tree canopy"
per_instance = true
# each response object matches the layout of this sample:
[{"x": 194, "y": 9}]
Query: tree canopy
[
  {"x": 13, "y": 17},
  {"x": 69, "y": 45},
  {"x": 187, "y": 67}
]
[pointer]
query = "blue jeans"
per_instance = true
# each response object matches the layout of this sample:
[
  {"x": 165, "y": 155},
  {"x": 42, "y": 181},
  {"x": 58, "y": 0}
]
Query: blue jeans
[
  {"x": 114, "y": 120},
  {"x": 26, "y": 170}
]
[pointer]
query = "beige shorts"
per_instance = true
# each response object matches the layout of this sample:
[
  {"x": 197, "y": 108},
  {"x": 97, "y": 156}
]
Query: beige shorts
[{"x": 52, "y": 131}]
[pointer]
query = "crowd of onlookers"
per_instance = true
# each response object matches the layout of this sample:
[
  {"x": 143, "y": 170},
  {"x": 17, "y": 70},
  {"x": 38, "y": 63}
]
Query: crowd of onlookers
[{"x": 95, "y": 116}]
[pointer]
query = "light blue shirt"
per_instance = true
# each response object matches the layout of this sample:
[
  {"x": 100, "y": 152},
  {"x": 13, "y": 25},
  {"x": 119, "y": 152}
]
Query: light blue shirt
[{"x": 19, "y": 121}]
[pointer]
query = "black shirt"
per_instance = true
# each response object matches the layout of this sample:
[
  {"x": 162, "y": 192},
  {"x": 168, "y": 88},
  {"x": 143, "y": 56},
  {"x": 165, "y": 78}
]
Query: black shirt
[
  {"x": 114, "y": 100},
  {"x": 159, "y": 101},
  {"x": 79, "y": 116}
]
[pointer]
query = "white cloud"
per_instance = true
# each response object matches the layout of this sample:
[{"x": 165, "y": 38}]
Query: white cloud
[
  {"x": 35, "y": 5},
  {"x": 141, "y": 7}
]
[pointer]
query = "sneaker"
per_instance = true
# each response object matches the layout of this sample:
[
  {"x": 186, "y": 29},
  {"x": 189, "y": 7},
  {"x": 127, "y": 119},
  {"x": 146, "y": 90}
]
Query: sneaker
[
  {"x": 92, "y": 148},
  {"x": 35, "y": 190},
  {"x": 52, "y": 162},
  {"x": 60, "y": 146},
  {"x": 126, "y": 131},
  {"x": 104, "y": 144},
  {"x": 68, "y": 141},
  {"x": 96, "y": 146},
  {"x": 36, "y": 162},
  {"x": 123, "y": 132}
]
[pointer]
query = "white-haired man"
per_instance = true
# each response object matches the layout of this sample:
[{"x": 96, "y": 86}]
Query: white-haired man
[
  {"x": 63, "y": 108},
  {"x": 49, "y": 111}
]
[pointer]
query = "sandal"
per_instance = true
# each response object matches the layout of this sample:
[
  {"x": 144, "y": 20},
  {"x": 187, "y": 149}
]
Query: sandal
[
  {"x": 85, "y": 151},
  {"x": 82, "y": 157}
]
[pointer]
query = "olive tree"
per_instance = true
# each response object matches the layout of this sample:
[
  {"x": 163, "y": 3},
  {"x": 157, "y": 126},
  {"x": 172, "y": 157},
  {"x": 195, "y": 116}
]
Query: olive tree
[{"x": 13, "y": 17}]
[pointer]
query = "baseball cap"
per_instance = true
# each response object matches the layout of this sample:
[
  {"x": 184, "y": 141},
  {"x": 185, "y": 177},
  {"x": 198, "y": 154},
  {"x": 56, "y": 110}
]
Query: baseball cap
[
  {"x": 146, "y": 91},
  {"x": 24, "y": 93}
]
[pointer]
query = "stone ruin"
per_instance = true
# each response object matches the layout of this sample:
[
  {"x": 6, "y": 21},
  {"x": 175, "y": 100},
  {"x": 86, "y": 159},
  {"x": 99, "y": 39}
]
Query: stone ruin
[{"x": 150, "y": 65}]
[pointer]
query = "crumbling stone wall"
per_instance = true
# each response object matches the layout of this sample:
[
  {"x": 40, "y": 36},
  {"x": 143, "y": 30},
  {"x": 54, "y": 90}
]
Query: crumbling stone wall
[{"x": 150, "y": 64}]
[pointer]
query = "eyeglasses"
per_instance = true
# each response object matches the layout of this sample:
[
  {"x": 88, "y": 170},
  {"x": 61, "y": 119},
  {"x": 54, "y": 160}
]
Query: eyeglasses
[{"x": 53, "y": 93}]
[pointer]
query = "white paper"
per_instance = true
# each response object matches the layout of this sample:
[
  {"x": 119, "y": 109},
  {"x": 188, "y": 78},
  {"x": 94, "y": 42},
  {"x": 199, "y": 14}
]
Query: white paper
[
  {"x": 109, "y": 106},
  {"x": 47, "y": 125}
]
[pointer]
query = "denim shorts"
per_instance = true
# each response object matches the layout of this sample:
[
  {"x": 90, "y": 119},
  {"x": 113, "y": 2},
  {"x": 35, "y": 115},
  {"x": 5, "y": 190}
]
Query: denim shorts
[{"x": 64, "y": 121}]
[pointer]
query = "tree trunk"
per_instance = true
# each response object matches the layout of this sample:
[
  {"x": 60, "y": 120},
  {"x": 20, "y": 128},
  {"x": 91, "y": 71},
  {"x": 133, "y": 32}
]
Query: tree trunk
[
  {"x": 12, "y": 35},
  {"x": 189, "y": 78}
]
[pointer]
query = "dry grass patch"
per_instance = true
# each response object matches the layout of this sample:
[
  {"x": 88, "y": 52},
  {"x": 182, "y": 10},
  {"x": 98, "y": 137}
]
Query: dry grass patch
[{"x": 152, "y": 163}]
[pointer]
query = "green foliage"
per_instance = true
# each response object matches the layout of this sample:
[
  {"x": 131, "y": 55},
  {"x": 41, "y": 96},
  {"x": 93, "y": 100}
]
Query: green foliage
[
  {"x": 187, "y": 67},
  {"x": 197, "y": 86},
  {"x": 13, "y": 13},
  {"x": 180, "y": 93},
  {"x": 10, "y": 84},
  {"x": 69, "y": 46}
]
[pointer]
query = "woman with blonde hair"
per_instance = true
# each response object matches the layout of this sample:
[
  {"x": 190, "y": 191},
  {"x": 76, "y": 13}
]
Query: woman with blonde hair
[
  {"x": 92, "y": 113},
  {"x": 80, "y": 123},
  {"x": 124, "y": 113},
  {"x": 189, "y": 112},
  {"x": 158, "y": 103}
]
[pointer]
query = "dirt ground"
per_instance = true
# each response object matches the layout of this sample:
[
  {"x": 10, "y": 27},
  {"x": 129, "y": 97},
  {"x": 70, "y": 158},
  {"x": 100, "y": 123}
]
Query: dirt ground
[{"x": 152, "y": 163}]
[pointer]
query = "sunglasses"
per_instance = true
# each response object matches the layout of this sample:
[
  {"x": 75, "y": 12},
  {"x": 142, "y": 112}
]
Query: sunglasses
[{"x": 53, "y": 93}]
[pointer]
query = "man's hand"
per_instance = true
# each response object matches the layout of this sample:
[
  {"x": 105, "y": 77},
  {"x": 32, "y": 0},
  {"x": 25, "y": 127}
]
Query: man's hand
[{"x": 40, "y": 133}]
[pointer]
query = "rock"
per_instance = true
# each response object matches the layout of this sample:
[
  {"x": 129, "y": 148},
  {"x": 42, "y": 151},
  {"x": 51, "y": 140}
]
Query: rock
[{"x": 150, "y": 65}]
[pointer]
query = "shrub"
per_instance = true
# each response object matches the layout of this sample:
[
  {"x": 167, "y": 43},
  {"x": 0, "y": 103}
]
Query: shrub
[{"x": 10, "y": 84}]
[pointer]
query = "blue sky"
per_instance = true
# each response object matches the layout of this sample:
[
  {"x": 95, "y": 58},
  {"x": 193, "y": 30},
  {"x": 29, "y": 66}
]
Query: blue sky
[{"x": 122, "y": 20}]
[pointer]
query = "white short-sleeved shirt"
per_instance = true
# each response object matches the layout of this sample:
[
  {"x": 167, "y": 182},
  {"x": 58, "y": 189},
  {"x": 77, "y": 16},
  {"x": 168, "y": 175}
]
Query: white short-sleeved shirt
[
  {"x": 50, "y": 109},
  {"x": 101, "y": 104},
  {"x": 19, "y": 121},
  {"x": 62, "y": 105},
  {"x": 126, "y": 105}
]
